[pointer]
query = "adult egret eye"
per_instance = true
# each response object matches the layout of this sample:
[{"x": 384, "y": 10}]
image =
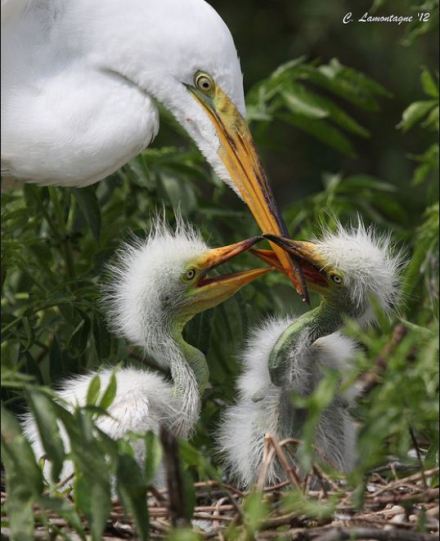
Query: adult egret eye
[
  {"x": 336, "y": 279},
  {"x": 203, "y": 82},
  {"x": 189, "y": 274}
]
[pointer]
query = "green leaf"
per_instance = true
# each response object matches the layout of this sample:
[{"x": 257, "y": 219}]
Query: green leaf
[
  {"x": 432, "y": 120},
  {"x": 429, "y": 84},
  {"x": 24, "y": 480},
  {"x": 109, "y": 393},
  {"x": 153, "y": 456},
  {"x": 255, "y": 511},
  {"x": 339, "y": 116},
  {"x": 80, "y": 335},
  {"x": 357, "y": 182},
  {"x": 93, "y": 390},
  {"x": 47, "y": 424},
  {"x": 414, "y": 113},
  {"x": 92, "y": 488},
  {"x": 132, "y": 490},
  {"x": 323, "y": 131},
  {"x": 298, "y": 101},
  {"x": 100, "y": 507},
  {"x": 183, "y": 534},
  {"x": 64, "y": 509},
  {"x": 348, "y": 84},
  {"x": 89, "y": 206}
]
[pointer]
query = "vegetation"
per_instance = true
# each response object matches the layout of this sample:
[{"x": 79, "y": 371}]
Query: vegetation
[{"x": 56, "y": 242}]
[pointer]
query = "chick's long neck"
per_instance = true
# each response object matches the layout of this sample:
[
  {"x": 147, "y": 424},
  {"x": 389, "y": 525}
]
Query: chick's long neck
[
  {"x": 189, "y": 372},
  {"x": 321, "y": 321}
]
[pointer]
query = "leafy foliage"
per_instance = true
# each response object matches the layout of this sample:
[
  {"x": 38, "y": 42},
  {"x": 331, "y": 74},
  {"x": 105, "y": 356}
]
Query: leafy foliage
[
  {"x": 288, "y": 94},
  {"x": 56, "y": 243}
]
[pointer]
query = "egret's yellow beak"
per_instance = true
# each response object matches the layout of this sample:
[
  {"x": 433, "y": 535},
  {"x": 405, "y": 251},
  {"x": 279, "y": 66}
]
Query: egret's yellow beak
[
  {"x": 237, "y": 152},
  {"x": 208, "y": 291},
  {"x": 306, "y": 253}
]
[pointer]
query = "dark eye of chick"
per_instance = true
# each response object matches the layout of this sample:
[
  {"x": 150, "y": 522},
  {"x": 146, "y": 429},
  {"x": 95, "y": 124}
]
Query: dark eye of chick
[
  {"x": 336, "y": 279},
  {"x": 190, "y": 274}
]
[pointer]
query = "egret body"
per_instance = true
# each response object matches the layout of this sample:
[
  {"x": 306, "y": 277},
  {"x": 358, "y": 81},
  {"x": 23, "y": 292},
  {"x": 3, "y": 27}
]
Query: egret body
[
  {"x": 291, "y": 355},
  {"x": 156, "y": 287}
]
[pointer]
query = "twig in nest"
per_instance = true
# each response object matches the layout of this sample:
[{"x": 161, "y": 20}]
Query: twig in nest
[
  {"x": 427, "y": 496},
  {"x": 350, "y": 534},
  {"x": 268, "y": 454},
  {"x": 289, "y": 469},
  {"x": 409, "y": 479},
  {"x": 157, "y": 494}
]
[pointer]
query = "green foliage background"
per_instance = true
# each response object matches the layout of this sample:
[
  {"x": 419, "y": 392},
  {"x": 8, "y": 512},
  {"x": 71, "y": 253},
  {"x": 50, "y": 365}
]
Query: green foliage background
[{"x": 349, "y": 129}]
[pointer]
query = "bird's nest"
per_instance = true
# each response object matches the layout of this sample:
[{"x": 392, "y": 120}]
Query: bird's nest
[{"x": 395, "y": 507}]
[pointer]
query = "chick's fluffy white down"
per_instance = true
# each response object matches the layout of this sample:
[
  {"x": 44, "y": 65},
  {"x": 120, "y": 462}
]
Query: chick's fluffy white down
[
  {"x": 143, "y": 400},
  {"x": 241, "y": 434}
]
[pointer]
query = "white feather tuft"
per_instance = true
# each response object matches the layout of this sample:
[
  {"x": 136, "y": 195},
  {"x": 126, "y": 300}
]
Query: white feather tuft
[
  {"x": 144, "y": 282},
  {"x": 370, "y": 263}
]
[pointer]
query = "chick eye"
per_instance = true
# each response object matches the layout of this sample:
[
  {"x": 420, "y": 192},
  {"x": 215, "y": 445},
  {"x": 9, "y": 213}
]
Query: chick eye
[
  {"x": 336, "y": 278},
  {"x": 189, "y": 274},
  {"x": 203, "y": 81}
]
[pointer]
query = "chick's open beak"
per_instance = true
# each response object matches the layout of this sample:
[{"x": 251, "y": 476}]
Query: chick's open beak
[
  {"x": 237, "y": 152},
  {"x": 210, "y": 291},
  {"x": 307, "y": 255}
]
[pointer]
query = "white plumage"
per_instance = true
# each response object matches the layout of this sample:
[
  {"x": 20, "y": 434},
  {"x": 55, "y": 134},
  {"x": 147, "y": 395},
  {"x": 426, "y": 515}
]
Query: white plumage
[
  {"x": 241, "y": 434},
  {"x": 80, "y": 80},
  {"x": 150, "y": 299},
  {"x": 143, "y": 401},
  {"x": 369, "y": 262},
  {"x": 368, "y": 268},
  {"x": 142, "y": 295},
  {"x": 80, "y": 84}
]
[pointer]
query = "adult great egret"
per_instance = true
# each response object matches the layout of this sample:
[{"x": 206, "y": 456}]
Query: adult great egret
[
  {"x": 156, "y": 287},
  {"x": 348, "y": 269},
  {"x": 80, "y": 81}
]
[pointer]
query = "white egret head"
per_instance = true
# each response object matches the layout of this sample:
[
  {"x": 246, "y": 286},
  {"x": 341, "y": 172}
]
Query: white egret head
[
  {"x": 351, "y": 268},
  {"x": 158, "y": 284}
]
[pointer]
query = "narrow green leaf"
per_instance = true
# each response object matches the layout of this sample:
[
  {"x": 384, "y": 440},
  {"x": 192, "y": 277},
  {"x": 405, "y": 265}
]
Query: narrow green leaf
[
  {"x": 24, "y": 480},
  {"x": 300, "y": 102},
  {"x": 255, "y": 511},
  {"x": 93, "y": 390},
  {"x": 132, "y": 490},
  {"x": 432, "y": 120},
  {"x": 19, "y": 457},
  {"x": 184, "y": 534},
  {"x": 47, "y": 424},
  {"x": 429, "y": 84},
  {"x": 64, "y": 509},
  {"x": 414, "y": 113},
  {"x": 100, "y": 507},
  {"x": 321, "y": 130},
  {"x": 109, "y": 393}
]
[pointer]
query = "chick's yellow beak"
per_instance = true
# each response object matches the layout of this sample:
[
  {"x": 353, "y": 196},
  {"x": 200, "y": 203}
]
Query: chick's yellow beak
[
  {"x": 238, "y": 154},
  {"x": 311, "y": 262},
  {"x": 209, "y": 291}
]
